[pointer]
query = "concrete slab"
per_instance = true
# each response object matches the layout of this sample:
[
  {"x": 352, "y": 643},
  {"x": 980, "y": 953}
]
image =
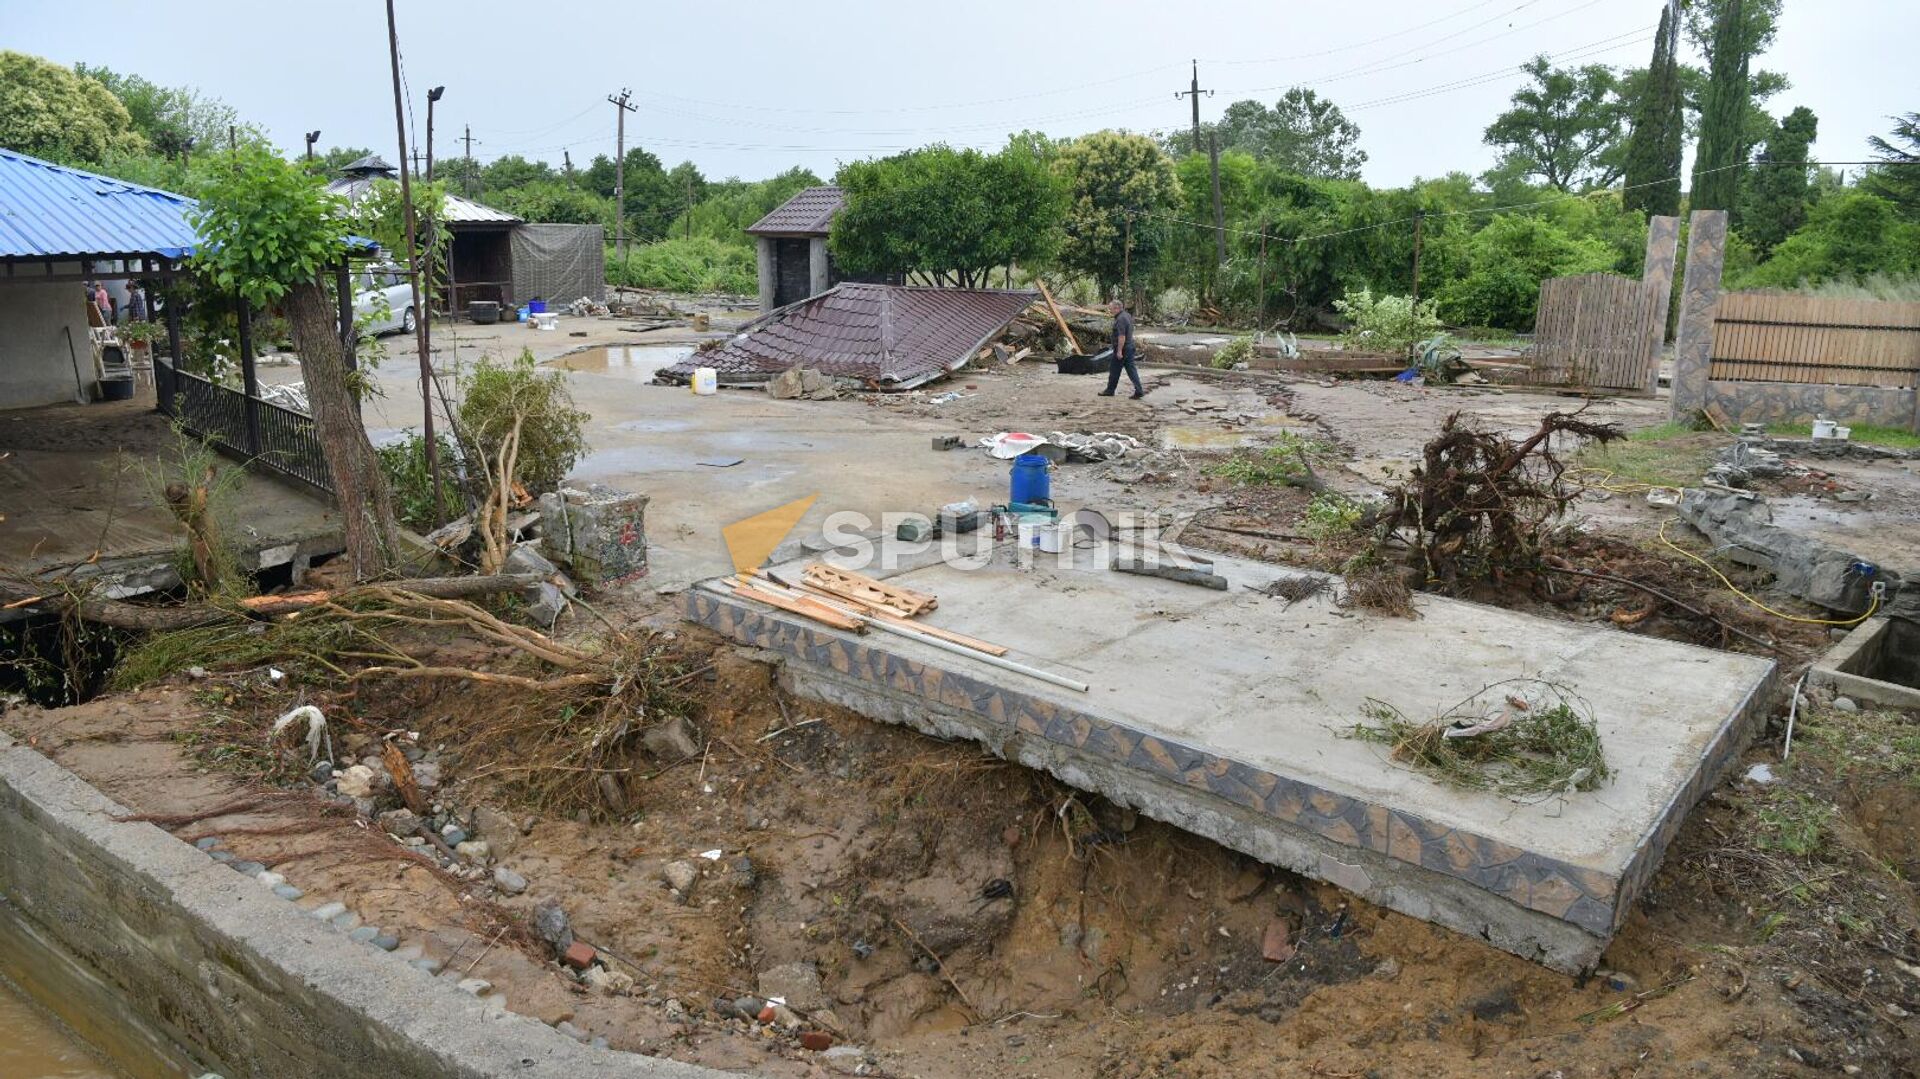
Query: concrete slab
[{"x": 1224, "y": 711}]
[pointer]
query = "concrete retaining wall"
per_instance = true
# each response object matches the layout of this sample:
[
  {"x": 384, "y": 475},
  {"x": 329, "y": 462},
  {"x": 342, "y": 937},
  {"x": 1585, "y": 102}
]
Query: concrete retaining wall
[
  {"x": 193, "y": 968},
  {"x": 35, "y": 367}
]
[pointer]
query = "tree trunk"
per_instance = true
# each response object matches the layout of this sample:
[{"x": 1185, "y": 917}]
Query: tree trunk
[{"x": 366, "y": 505}]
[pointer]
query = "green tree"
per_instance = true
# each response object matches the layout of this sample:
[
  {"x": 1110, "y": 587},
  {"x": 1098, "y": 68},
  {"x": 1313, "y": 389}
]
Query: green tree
[
  {"x": 1898, "y": 181},
  {"x": 1651, "y": 169},
  {"x": 1115, "y": 180},
  {"x": 1775, "y": 193},
  {"x": 511, "y": 171},
  {"x": 173, "y": 119},
  {"x": 49, "y": 111},
  {"x": 1303, "y": 133},
  {"x": 1564, "y": 127},
  {"x": 555, "y": 201},
  {"x": 955, "y": 215},
  {"x": 1849, "y": 235},
  {"x": 269, "y": 233},
  {"x": 327, "y": 165},
  {"x": 1191, "y": 249},
  {"x": 731, "y": 205},
  {"x": 1740, "y": 29},
  {"x": 1505, "y": 263}
]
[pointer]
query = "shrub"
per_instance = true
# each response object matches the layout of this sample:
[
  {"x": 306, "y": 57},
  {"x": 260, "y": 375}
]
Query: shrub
[
  {"x": 1330, "y": 516},
  {"x": 550, "y": 429},
  {"x": 699, "y": 264},
  {"x": 405, "y": 463},
  {"x": 1386, "y": 323},
  {"x": 1237, "y": 351}
]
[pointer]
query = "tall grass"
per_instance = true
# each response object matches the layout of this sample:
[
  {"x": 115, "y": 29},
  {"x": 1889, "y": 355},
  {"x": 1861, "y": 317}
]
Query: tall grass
[
  {"x": 1878, "y": 286},
  {"x": 697, "y": 264}
]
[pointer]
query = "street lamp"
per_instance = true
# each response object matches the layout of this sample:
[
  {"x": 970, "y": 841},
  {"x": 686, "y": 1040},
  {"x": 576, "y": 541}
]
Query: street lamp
[
  {"x": 433, "y": 95},
  {"x": 312, "y": 137}
]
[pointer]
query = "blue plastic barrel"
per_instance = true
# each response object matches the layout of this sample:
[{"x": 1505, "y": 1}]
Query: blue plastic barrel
[{"x": 1030, "y": 481}]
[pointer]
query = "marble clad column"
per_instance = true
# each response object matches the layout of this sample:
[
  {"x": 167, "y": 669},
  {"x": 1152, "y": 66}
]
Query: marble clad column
[
  {"x": 1663, "y": 247},
  {"x": 1699, "y": 301}
]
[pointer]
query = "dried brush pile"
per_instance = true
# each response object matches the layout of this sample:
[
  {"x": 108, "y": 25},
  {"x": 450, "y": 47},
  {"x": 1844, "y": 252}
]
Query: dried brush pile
[{"x": 1523, "y": 739}]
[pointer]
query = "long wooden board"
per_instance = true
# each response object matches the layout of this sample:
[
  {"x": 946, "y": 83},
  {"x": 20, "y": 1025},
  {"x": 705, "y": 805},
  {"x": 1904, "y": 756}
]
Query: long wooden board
[
  {"x": 879, "y": 614},
  {"x": 807, "y": 607}
]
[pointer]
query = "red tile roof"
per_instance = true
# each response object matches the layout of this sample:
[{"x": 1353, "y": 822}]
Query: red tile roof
[
  {"x": 808, "y": 213},
  {"x": 888, "y": 336}
]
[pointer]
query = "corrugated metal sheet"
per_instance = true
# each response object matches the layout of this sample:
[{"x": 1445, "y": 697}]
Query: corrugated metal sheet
[
  {"x": 460, "y": 211},
  {"x": 52, "y": 211},
  {"x": 808, "y": 213},
  {"x": 889, "y": 336}
]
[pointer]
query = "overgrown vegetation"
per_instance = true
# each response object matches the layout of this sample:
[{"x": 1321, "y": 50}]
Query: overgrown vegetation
[
  {"x": 1288, "y": 461},
  {"x": 1385, "y": 323},
  {"x": 699, "y": 264},
  {"x": 1233, "y": 353},
  {"x": 1674, "y": 454},
  {"x": 523, "y": 434},
  {"x": 1523, "y": 739},
  {"x": 405, "y": 463}
]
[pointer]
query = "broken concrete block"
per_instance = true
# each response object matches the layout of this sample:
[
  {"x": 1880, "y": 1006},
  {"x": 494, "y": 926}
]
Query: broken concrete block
[
  {"x": 608, "y": 531},
  {"x": 802, "y": 382},
  {"x": 524, "y": 559},
  {"x": 545, "y": 603},
  {"x": 673, "y": 740},
  {"x": 556, "y": 538}
]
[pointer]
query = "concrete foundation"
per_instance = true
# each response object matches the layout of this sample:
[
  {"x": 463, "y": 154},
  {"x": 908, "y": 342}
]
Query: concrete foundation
[
  {"x": 179, "y": 966},
  {"x": 1223, "y": 713}
]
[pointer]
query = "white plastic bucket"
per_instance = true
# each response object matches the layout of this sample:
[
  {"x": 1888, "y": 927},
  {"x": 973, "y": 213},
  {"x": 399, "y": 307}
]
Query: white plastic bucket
[
  {"x": 1047, "y": 536},
  {"x": 1823, "y": 428},
  {"x": 706, "y": 380}
]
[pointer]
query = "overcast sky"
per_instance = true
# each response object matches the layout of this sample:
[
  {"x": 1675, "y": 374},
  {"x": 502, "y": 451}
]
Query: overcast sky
[{"x": 753, "y": 87}]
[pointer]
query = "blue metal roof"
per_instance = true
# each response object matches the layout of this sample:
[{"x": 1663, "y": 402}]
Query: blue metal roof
[{"x": 52, "y": 211}]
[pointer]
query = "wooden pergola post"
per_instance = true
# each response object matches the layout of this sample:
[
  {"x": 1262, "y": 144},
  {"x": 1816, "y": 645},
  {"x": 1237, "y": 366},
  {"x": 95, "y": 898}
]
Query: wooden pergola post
[{"x": 166, "y": 385}]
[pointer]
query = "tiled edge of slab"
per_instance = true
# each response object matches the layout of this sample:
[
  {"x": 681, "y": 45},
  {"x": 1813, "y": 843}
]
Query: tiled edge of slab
[
  {"x": 1729, "y": 741},
  {"x": 1594, "y": 901}
]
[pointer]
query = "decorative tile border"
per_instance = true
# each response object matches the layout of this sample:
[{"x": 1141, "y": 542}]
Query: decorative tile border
[{"x": 1592, "y": 900}]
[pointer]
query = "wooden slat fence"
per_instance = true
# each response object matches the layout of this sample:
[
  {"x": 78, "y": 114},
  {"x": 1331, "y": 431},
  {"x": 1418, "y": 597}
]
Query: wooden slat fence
[
  {"x": 1777, "y": 337},
  {"x": 1594, "y": 330}
]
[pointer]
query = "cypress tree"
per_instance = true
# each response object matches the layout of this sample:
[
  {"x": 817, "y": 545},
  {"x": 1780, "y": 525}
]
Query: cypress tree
[
  {"x": 1775, "y": 194},
  {"x": 1716, "y": 177},
  {"x": 1655, "y": 145}
]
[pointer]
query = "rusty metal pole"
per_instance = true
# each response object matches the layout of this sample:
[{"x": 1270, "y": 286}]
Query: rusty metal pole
[{"x": 413, "y": 276}]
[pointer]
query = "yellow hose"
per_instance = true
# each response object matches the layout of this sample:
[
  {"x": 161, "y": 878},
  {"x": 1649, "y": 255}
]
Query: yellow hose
[{"x": 1873, "y": 605}]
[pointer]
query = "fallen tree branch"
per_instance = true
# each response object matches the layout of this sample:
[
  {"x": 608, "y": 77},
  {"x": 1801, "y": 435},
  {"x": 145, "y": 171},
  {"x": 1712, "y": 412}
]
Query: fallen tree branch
[
  {"x": 123, "y": 615},
  {"x": 569, "y": 681}
]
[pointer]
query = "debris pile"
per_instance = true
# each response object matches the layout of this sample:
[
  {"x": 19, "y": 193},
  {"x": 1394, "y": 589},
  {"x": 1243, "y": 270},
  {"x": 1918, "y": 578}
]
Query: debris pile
[{"x": 1524, "y": 739}]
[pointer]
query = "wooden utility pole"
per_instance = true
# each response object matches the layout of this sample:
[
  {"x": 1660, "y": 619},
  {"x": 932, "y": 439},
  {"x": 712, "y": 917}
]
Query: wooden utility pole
[
  {"x": 1419, "y": 221},
  {"x": 1219, "y": 212},
  {"x": 413, "y": 276},
  {"x": 1193, "y": 91},
  {"x": 468, "y": 182},
  {"x": 621, "y": 107},
  {"x": 1261, "y": 322},
  {"x": 433, "y": 98}
]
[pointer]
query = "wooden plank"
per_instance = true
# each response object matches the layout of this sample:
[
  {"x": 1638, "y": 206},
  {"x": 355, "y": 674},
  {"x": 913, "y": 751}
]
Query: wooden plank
[
  {"x": 880, "y": 614},
  {"x": 905, "y": 601},
  {"x": 806, "y": 607},
  {"x": 1057, "y": 316}
]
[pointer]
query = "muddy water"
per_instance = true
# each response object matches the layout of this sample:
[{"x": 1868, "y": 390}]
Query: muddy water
[
  {"x": 34, "y": 1047},
  {"x": 636, "y": 363}
]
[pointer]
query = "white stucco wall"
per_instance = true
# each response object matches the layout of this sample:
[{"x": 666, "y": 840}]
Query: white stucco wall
[{"x": 35, "y": 366}]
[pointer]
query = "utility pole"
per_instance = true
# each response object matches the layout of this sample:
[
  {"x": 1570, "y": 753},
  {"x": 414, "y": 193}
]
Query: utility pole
[
  {"x": 621, "y": 107},
  {"x": 467, "y": 183},
  {"x": 413, "y": 276},
  {"x": 416, "y": 162},
  {"x": 1193, "y": 91},
  {"x": 312, "y": 137},
  {"x": 689, "y": 207},
  {"x": 1219, "y": 214},
  {"x": 1419, "y": 221},
  {"x": 566, "y": 158}
]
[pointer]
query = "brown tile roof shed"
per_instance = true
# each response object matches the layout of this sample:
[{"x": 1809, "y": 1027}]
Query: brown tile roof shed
[
  {"x": 808, "y": 213},
  {"x": 887, "y": 336}
]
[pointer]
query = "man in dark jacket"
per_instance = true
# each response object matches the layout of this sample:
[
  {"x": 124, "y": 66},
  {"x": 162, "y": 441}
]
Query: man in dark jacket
[{"x": 1125, "y": 352}]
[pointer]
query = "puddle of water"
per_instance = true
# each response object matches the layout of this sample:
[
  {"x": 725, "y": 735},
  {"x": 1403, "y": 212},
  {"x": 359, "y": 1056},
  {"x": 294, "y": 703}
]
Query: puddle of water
[
  {"x": 34, "y": 1047},
  {"x": 637, "y": 363}
]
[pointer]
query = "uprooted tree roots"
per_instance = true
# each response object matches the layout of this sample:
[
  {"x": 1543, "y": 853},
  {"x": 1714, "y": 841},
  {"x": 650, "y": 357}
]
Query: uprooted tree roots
[
  {"x": 567, "y": 719},
  {"x": 1480, "y": 504}
]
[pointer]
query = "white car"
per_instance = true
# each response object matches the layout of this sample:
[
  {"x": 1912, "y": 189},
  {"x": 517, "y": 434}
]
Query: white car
[{"x": 383, "y": 301}]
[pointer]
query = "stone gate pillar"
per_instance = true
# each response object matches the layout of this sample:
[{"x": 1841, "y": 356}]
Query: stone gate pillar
[
  {"x": 1663, "y": 244},
  {"x": 1699, "y": 301}
]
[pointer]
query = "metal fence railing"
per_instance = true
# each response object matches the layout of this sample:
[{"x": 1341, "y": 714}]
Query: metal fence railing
[{"x": 284, "y": 441}]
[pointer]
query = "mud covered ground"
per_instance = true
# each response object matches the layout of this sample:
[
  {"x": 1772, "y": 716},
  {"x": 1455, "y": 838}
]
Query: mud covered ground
[{"x": 1072, "y": 938}]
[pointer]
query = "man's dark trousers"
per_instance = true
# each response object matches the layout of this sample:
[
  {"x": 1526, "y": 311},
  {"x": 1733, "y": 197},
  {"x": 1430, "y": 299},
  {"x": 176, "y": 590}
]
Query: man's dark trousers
[{"x": 1118, "y": 364}]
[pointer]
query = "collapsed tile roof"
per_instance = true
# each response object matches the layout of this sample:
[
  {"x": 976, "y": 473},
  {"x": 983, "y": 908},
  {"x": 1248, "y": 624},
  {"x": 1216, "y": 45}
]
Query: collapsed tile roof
[
  {"x": 808, "y": 213},
  {"x": 888, "y": 336}
]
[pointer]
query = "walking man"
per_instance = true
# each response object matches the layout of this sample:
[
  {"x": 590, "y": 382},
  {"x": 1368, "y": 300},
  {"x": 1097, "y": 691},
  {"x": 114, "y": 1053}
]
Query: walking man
[{"x": 1125, "y": 352}]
